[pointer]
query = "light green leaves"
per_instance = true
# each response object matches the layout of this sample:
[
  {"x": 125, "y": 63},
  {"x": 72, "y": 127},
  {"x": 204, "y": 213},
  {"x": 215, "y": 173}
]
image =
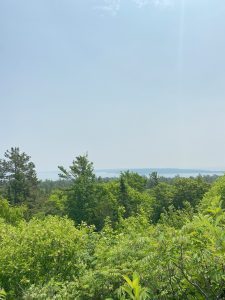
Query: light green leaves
[
  {"x": 133, "y": 289},
  {"x": 2, "y": 294}
]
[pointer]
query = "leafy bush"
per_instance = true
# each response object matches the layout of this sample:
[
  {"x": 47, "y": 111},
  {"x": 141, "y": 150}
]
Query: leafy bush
[
  {"x": 41, "y": 250},
  {"x": 180, "y": 257},
  {"x": 11, "y": 214}
]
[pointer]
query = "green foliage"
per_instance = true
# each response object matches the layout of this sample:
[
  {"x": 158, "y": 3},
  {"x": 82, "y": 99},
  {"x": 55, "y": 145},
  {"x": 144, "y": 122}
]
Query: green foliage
[
  {"x": 177, "y": 194},
  {"x": 189, "y": 190},
  {"x": 56, "y": 203},
  {"x": 133, "y": 289},
  {"x": 51, "y": 259},
  {"x": 92, "y": 201},
  {"x": 133, "y": 200},
  {"x": 153, "y": 180},
  {"x": 177, "y": 218},
  {"x": 164, "y": 195},
  {"x": 18, "y": 178},
  {"x": 134, "y": 180},
  {"x": 41, "y": 250},
  {"x": 105, "y": 205},
  {"x": 171, "y": 233},
  {"x": 80, "y": 168},
  {"x": 9, "y": 214},
  {"x": 80, "y": 197},
  {"x": 217, "y": 190},
  {"x": 53, "y": 290},
  {"x": 2, "y": 294}
]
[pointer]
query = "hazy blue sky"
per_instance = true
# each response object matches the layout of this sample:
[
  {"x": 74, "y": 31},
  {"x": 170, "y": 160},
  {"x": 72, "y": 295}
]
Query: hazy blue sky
[{"x": 134, "y": 83}]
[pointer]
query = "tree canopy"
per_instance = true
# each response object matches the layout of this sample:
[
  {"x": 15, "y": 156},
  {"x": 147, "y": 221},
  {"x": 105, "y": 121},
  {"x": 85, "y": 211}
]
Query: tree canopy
[
  {"x": 18, "y": 179},
  {"x": 123, "y": 238}
]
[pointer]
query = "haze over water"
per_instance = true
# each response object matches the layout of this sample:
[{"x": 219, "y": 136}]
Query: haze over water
[{"x": 110, "y": 173}]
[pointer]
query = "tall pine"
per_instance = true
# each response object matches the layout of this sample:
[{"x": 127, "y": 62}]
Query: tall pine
[{"x": 18, "y": 179}]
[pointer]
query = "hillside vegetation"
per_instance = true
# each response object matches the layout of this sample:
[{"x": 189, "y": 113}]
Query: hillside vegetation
[{"x": 133, "y": 237}]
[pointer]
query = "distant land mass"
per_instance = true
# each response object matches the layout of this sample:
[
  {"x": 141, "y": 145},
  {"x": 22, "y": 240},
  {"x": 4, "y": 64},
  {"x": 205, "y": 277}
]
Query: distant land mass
[{"x": 165, "y": 172}]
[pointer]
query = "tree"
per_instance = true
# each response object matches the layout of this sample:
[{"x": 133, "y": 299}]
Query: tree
[
  {"x": 18, "y": 179},
  {"x": 132, "y": 199},
  {"x": 164, "y": 195},
  {"x": 191, "y": 190},
  {"x": 80, "y": 197},
  {"x": 123, "y": 196},
  {"x": 217, "y": 190},
  {"x": 80, "y": 168},
  {"x": 10, "y": 214},
  {"x": 55, "y": 204},
  {"x": 153, "y": 180},
  {"x": 134, "y": 180}
]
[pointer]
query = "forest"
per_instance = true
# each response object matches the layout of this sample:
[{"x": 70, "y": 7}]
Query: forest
[{"x": 85, "y": 237}]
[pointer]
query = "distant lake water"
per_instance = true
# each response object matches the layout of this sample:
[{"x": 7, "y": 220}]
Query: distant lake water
[{"x": 170, "y": 173}]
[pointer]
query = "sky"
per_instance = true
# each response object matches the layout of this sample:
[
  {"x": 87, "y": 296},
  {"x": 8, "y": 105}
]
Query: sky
[{"x": 135, "y": 83}]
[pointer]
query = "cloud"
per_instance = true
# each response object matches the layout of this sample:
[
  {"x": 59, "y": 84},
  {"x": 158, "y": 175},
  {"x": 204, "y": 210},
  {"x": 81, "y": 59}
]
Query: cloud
[
  {"x": 110, "y": 6},
  {"x": 141, "y": 3},
  {"x": 113, "y": 6},
  {"x": 163, "y": 3}
]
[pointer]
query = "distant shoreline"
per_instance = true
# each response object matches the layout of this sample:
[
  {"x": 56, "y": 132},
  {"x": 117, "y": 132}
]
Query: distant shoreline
[{"x": 164, "y": 172}]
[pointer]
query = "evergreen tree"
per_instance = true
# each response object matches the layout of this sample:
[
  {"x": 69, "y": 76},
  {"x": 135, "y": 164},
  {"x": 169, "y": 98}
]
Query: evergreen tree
[
  {"x": 80, "y": 197},
  {"x": 18, "y": 179},
  {"x": 123, "y": 196},
  {"x": 153, "y": 180}
]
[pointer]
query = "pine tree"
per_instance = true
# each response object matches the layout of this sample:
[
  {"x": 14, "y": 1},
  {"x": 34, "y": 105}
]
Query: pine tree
[
  {"x": 81, "y": 195},
  {"x": 18, "y": 179}
]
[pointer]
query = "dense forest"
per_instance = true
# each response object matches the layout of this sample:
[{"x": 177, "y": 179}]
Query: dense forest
[{"x": 132, "y": 237}]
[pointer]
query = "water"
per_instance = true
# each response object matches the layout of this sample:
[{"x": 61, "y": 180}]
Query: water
[{"x": 169, "y": 172}]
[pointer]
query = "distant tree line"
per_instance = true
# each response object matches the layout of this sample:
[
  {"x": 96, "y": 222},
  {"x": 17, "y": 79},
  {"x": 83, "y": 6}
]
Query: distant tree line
[{"x": 83, "y": 197}]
